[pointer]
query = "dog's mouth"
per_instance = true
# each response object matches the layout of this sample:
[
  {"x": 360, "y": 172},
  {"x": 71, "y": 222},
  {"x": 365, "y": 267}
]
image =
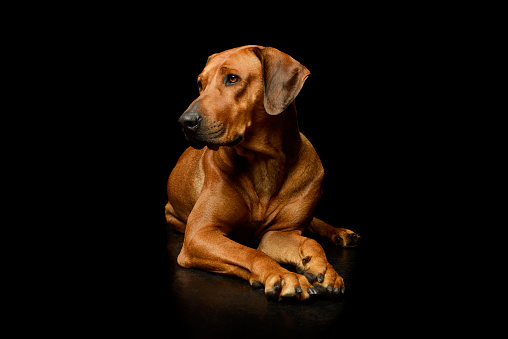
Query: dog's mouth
[
  {"x": 194, "y": 143},
  {"x": 212, "y": 144}
]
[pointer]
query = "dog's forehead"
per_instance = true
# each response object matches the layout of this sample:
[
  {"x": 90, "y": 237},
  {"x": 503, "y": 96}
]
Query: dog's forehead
[{"x": 240, "y": 59}]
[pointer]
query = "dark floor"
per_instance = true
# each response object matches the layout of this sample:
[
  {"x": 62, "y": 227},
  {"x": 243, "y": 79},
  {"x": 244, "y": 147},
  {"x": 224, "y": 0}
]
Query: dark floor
[{"x": 213, "y": 305}]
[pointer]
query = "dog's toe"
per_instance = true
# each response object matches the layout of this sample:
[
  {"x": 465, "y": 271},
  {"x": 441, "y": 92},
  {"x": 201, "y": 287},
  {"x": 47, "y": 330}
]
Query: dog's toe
[
  {"x": 345, "y": 238},
  {"x": 272, "y": 293},
  {"x": 287, "y": 287}
]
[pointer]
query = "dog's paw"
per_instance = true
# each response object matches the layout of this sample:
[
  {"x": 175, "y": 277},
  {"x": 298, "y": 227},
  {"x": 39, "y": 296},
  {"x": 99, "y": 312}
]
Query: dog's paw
[
  {"x": 286, "y": 286},
  {"x": 322, "y": 275},
  {"x": 345, "y": 238}
]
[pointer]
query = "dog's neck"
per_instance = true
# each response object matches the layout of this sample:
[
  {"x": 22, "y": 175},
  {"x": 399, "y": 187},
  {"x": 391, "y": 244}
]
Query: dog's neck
[
  {"x": 273, "y": 136},
  {"x": 268, "y": 151}
]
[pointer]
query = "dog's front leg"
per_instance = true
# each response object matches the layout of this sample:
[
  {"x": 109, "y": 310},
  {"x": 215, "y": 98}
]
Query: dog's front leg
[{"x": 208, "y": 248}]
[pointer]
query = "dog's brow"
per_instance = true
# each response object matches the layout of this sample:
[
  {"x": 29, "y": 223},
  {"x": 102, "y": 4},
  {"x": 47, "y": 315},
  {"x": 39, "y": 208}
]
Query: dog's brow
[{"x": 226, "y": 69}]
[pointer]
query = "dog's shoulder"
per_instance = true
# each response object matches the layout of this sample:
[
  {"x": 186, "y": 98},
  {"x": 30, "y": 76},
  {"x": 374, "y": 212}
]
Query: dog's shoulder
[{"x": 309, "y": 157}]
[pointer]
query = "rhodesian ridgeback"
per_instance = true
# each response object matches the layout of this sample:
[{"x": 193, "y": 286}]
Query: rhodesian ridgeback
[{"x": 252, "y": 179}]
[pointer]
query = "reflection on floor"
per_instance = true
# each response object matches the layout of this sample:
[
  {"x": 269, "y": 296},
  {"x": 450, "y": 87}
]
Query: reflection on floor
[{"x": 213, "y": 305}]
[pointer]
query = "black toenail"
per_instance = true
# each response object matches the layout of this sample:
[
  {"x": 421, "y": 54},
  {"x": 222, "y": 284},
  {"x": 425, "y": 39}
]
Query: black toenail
[
  {"x": 320, "y": 278},
  {"x": 289, "y": 296},
  {"x": 342, "y": 290},
  {"x": 273, "y": 294},
  {"x": 329, "y": 288},
  {"x": 336, "y": 290},
  {"x": 311, "y": 291},
  {"x": 298, "y": 289},
  {"x": 310, "y": 277},
  {"x": 256, "y": 284},
  {"x": 320, "y": 289}
]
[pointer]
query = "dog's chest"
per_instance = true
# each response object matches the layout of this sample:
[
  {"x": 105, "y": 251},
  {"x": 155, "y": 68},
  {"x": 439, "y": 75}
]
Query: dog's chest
[
  {"x": 259, "y": 183},
  {"x": 266, "y": 178},
  {"x": 268, "y": 187}
]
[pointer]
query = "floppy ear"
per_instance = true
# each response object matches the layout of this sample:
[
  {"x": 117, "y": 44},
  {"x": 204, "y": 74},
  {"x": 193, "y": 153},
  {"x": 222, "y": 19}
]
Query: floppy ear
[
  {"x": 210, "y": 57},
  {"x": 283, "y": 78}
]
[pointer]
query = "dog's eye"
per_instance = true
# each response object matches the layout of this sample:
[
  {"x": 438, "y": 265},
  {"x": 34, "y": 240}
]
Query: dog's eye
[{"x": 232, "y": 79}]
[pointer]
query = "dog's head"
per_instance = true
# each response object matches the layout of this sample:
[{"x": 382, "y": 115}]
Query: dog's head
[{"x": 238, "y": 88}]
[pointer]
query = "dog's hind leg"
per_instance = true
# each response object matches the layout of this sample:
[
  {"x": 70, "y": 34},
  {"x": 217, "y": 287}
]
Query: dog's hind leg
[
  {"x": 338, "y": 236},
  {"x": 171, "y": 219}
]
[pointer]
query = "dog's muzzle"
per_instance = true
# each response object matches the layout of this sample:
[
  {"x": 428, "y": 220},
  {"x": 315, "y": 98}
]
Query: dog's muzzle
[
  {"x": 199, "y": 133},
  {"x": 191, "y": 123}
]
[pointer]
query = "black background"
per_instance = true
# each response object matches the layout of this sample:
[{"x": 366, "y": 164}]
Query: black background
[
  {"x": 365, "y": 109},
  {"x": 361, "y": 107}
]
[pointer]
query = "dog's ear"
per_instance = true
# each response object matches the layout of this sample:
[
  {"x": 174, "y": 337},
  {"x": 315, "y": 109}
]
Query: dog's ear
[
  {"x": 211, "y": 57},
  {"x": 283, "y": 78}
]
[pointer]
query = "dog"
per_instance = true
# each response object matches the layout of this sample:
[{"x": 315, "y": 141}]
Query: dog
[{"x": 251, "y": 178}]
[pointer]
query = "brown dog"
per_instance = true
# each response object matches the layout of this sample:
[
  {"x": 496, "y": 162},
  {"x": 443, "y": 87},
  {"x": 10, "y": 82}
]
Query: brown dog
[{"x": 257, "y": 181}]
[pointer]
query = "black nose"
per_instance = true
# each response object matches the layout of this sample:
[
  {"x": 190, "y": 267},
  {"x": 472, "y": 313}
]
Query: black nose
[{"x": 190, "y": 120}]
